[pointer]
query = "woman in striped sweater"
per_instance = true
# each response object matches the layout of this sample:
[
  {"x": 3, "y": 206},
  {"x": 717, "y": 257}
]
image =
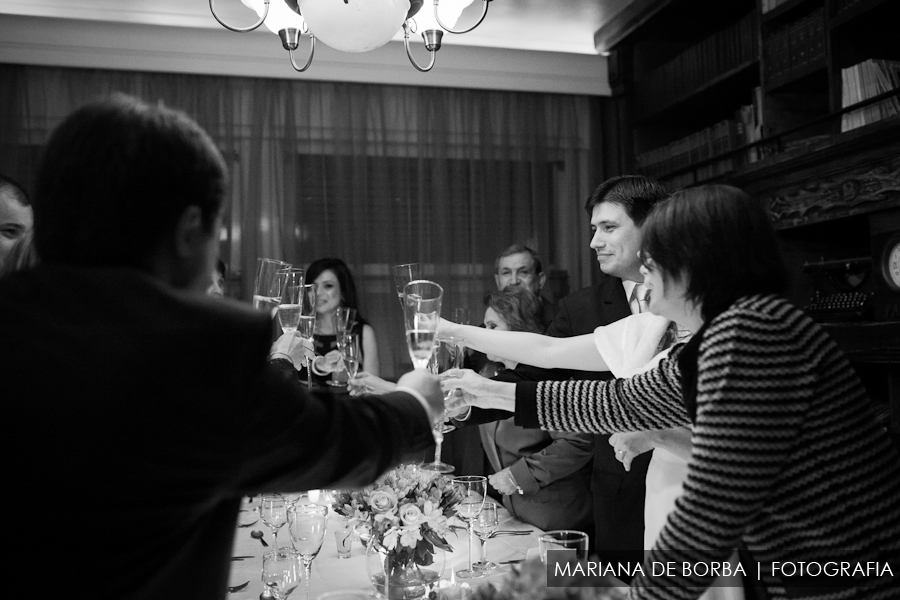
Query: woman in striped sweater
[{"x": 788, "y": 460}]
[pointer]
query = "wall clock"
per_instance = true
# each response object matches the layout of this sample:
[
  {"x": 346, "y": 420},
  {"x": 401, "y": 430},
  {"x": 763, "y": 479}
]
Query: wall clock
[{"x": 890, "y": 262}]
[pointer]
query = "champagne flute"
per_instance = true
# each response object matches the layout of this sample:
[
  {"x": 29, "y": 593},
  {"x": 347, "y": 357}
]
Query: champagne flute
[
  {"x": 485, "y": 525},
  {"x": 421, "y": 314},
  {"x": 289, "y": 310},
  {"x": 348, "y": 344},
  {"x": 306, "y": 326},
  {"x": 281, "y": 572},
  {"x": 267, "y": 291},
  {"x": 472, "y": 489},
  {"x": 343, "y": 322},
  {"x": 307, "y": 529},
  {"x": 273, "y": 512},
  {"x": 403, "y": 274},
  {"x": 445, "y": 357}
]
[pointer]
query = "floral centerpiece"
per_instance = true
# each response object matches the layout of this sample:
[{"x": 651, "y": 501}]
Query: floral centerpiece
[{"x": 404, "y": 519}]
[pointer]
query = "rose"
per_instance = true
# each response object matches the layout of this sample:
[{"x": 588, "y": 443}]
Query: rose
[
  {"x": 382, "y": 501},
  {"x": 410, "y": 514}
]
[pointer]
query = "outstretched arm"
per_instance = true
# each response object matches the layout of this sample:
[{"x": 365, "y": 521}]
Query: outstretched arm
[{"x": 543, "y": 351}]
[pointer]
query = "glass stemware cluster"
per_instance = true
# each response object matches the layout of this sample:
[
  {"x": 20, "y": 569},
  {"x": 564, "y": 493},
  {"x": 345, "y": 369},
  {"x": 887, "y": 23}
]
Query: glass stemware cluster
[{"x": 284, "y": 566}]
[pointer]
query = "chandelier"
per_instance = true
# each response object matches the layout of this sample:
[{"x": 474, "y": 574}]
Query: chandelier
[{"x": 356, "y": 25}]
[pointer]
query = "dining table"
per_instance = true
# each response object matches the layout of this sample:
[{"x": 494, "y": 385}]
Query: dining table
[{"x": 330, "y": 573}]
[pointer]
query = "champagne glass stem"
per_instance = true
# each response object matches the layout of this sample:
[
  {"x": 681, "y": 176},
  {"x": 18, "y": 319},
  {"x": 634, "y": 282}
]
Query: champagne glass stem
[
  {"x": 275, "y": 535},
  {"x": 484, "y": 559},
  {"x": 308, "y": 373},
  {"x": 471, "y": 535},
  {"x": 307, "y": 567},
  {"x": 438, "y": 441}
]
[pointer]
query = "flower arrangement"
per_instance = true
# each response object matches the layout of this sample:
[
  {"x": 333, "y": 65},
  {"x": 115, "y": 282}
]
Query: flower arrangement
[{"x": 405, "y": 514}]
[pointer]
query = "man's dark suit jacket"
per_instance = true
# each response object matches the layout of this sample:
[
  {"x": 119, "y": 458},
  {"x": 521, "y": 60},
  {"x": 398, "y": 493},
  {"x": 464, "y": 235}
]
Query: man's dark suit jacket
[
  {"x": 136, "y": 418},
  {"x": 618, "y": 495}
]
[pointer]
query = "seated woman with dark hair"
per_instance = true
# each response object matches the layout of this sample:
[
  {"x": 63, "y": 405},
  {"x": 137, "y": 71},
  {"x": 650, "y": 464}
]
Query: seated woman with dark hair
[
  {"x": 789, "y": 463},
  {"x": 543, "y": 476},
  {"x": 334, "y": 288}
]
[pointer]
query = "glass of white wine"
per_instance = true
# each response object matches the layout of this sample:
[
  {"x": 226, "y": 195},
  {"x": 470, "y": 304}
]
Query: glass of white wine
[
  {"x": 307, "y": 527},
  {"x": 289, "y": 310},
  {"x": 281, "y": 572},
  {"x": 306, "y": 324},
  {"x": 267, "y": 291}
]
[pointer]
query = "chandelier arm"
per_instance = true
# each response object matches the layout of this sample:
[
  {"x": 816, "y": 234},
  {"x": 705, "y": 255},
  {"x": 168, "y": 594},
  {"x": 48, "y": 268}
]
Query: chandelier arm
[
  {"x": 487, "y": 4},
  {"x": 409, "y": 53},
  {"x": 212, "y": 9},
  {"x": 312, "y": 52}
]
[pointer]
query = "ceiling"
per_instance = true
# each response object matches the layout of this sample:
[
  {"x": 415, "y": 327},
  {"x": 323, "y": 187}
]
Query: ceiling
[
  {"x": 545, "y": 25},
  {"x": 522, "y": 45}
]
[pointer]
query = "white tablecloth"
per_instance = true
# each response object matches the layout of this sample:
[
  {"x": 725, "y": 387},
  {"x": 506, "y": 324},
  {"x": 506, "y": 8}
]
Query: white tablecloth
[{"x": 331, "y": 573}]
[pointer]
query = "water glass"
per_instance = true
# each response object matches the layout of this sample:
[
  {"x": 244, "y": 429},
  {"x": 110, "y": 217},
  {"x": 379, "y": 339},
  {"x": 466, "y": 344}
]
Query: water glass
[
  {"x": 472, "y": 489},
  {"x": 273, "y": 512},
  {"x": 307, "y": 528},
  {"x": 485, "y": 525},
  {"x": 564, "y": 539},
  {"x": 281, "y": 572},
  {"x": 343, "y": 538}
]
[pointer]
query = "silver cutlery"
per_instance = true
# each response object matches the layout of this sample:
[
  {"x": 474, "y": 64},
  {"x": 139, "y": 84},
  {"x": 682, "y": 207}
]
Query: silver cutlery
[{"x": 237, "y": 588}]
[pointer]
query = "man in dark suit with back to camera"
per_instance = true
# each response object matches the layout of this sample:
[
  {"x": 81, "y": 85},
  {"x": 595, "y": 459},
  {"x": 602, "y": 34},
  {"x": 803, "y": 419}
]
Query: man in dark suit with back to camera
[{"x": 138, "y": 410}]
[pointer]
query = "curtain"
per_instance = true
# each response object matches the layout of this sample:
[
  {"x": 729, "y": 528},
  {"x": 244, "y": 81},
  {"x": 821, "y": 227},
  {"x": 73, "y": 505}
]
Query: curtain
[{"x": 374, "y": 174}]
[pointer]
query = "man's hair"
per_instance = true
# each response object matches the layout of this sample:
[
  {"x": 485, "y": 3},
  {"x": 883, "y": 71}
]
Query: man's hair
[
  {"x": 721, "y": 240},
  {"x": 634, "y": 193},
  {"x": 115, "y": 177},
  {"x": 15, "y": 189},
  {"x": 520, "y": 249},
  {"x": 518, "y": 307}
]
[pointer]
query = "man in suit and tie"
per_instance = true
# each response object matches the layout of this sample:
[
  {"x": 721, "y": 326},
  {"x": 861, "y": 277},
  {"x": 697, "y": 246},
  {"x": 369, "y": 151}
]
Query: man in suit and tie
[{"x": 140, "y": 410}]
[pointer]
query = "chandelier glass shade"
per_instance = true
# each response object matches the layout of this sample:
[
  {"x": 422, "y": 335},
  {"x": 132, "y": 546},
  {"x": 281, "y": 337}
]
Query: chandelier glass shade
[{"x": 357, "y": 25}]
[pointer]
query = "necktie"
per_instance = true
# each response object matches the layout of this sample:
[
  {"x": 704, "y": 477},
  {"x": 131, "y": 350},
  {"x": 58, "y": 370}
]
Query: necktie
[{"x": 640, "y": 297}]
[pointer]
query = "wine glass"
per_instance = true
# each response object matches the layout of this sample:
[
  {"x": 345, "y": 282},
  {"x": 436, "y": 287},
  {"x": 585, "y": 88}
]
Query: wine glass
[
  {"x": 289, "y": 310},
  {"x": 348, "y": 344},
  {"x": 485, "y": 525},
  {"x": 343, "y": 322},
  {"x": 446, "y": 356},
  {"x": 273, "y": 512},
  {"x": 403, "y": 274},
  {"x": 306, "y": 326},
  {"x": 307, "y": 529},
  {"x": 267, "y": 292},
  {"x": 472, "y": 489},
  {"x": 281, "y": 572}
]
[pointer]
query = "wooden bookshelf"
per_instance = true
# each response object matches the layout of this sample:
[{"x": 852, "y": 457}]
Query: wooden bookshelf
[{"x": 832, "y": 194}]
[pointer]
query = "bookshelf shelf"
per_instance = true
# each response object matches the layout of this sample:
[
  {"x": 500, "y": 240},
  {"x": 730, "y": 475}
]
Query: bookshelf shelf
[
  {"x": 715, "y": 91},
  {"x": 852, "y": 11},
  {"x": 789, "y": 10},
  {"x": 810, "y": 76}
]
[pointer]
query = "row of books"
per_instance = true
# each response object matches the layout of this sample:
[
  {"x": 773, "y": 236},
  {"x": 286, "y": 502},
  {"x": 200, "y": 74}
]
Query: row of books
[
  {"x": 699, "y": 64},
  {"x": 867, "y": 80},
  {"x": 713, "y": 141},
  {"x": 795, "y": 45}
]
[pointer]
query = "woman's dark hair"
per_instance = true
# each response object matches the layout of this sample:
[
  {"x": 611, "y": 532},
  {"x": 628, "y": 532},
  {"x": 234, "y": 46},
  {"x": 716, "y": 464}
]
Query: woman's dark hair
[
  {"x": 115, "y": 176},
  {"x": 721, "y": 240},
  {"x": 345, "y": 280},
  {"x": 519, "y": 307}
]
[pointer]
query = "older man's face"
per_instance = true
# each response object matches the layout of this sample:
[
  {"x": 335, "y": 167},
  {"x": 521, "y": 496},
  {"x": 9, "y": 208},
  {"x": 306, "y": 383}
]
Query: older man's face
[
  {"x": 518, "y": 269},
  {"x": 15, "y": 220}
]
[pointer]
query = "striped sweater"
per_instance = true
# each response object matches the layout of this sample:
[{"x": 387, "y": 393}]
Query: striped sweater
[{"x": 787, "y": 455}]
